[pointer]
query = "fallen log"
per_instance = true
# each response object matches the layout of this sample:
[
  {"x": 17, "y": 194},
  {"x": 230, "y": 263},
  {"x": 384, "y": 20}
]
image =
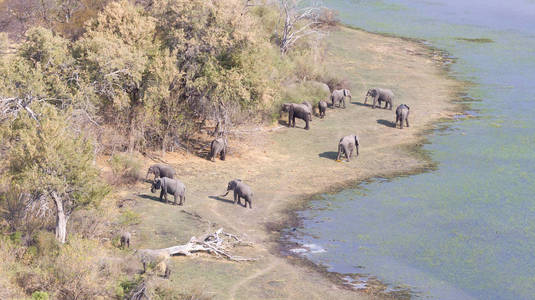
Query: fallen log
[{"x": 217, "y": 243}]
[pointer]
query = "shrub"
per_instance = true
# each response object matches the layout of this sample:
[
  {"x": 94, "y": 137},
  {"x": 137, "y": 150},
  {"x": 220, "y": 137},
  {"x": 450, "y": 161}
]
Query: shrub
[
  {"x": 40, "y": 295},
  {"x": 125, "y": 169}
]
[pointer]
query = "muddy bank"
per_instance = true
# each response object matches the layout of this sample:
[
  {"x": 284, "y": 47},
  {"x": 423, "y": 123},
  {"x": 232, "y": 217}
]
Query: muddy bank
[{"x": 288, "y": 165}]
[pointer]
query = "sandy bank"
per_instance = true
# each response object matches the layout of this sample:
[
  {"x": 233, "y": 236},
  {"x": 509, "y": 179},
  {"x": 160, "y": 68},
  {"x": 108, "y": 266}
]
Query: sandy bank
[{"x": 286, "y": 166}]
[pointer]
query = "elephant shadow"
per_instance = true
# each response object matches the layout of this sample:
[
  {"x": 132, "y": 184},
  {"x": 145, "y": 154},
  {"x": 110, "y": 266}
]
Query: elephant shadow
[
  {"x": 329, "y": 154},
  {"x": 386, "y": 123},
  {"x": 150, "y": 197},
  {"x": 362, "y": 104},
  {"x": 219, "y": 198},
  {"x": 283, "y": 122}
]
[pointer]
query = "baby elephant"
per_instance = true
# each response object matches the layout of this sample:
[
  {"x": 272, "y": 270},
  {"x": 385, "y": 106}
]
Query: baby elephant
[
  {"x": 160, "y": 170},
  {"x": 346, "y": 145},
  {"x": 241, "y": 190},
  {"x": 322, "y": 106},
  {"x": 402, "y": 114},
  {"x": 218, "y": 146},
  {"x": 170, "y": 186},
  {"x": 125, "y": 239}
]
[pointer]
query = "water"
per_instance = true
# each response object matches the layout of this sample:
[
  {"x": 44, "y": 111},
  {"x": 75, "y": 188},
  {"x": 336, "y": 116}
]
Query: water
[{"x": 466, "y": 230}]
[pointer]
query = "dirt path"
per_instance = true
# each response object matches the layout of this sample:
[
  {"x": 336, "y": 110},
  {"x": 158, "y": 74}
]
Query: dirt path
[{"x": 285, "y": 166}]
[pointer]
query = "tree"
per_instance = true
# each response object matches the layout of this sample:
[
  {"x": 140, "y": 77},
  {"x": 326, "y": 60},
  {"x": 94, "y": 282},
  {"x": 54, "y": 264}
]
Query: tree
[
  {"x": 298, "y": 22},
  {"x": 50, "y": 163}
]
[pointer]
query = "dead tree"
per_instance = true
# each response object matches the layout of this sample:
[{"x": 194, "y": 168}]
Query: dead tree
[
  {"x": 298, "y": 22},
  {"x": 217, "y": 243}
]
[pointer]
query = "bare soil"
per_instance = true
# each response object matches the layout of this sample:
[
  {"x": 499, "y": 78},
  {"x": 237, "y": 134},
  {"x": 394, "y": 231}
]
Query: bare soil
[{"x": 284, "y": 166}]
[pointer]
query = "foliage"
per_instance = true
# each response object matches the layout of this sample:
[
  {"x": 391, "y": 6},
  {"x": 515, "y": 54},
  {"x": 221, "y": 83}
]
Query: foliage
[
  {"x": 125, "y": 168},
  {"x": 40, "y": 295},
  {"x": 47, "y": 161}
]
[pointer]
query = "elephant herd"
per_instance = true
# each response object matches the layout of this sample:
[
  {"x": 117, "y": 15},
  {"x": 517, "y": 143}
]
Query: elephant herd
[
  {"x": 164, "y": 175},
  {"x": 304, "y": 110},
  {"x": 164, "y": 181}
]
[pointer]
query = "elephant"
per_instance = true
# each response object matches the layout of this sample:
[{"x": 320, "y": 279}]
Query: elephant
[
  {"x": 402, "y": 114},
  {"x": 346, "y": 145},
  {"x": 170, "y": 186},
  {"x": 125, "y": 239},
  {"x": 322, "y": 106},
  {"x": 299, "y": 111},
  {"x": 340, "y": 95},
  {"x": 285, "y": 107},
  {"x": 307, "y": 104},
  {"x": 241, "y": 190},
  {"x": 380, "y": 95},
  {"x": 218, "y": 146},
  {"x": 160, "y": 170}
]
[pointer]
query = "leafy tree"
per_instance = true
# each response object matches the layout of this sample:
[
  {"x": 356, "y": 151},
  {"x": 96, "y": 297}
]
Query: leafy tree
[{"x": 51, "y": 164}]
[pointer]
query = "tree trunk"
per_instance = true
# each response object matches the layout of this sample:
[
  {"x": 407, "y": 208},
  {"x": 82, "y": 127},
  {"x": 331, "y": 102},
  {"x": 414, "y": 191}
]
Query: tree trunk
[{"x": 61, "y": 219}]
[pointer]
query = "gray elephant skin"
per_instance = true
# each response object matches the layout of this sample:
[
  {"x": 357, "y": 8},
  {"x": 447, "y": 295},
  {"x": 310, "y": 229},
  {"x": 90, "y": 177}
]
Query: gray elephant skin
[
  {"x": 338, "y": 96},
  {"x": 346, "y": 146},
  {"x": 218, "y": 147},
  {"x": 300, "y": 111},
  {"x": 169, "y": 186},
  {"x": 402, "y": 115},
  {"x": 379, "y": 95},
  {"x": 322, "y": 107},
  {"x": 160, "y": 170},
  {"x": 241, "y": 190},
  {"x": 307, "y": 104}
]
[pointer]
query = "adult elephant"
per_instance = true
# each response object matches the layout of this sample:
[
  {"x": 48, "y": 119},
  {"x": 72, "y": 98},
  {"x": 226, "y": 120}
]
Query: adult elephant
[
  {"x": 241, "y": 190},
  {"x": 160, "y": 170},
  {"x": 218, "y": 147},
  {"x": 338, "y": 96},
  {"x": 346, "y": 146},
  {"x": 299, "y": 111},
  {"x": 169, "y": 186},
  {"x": 378, "y": 94},
  {"x": 402, "y": 115}
]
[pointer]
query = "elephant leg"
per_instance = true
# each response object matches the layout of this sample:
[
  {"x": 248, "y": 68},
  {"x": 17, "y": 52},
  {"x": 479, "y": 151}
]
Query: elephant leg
[
  {"x": 397, "y": 120},
  {"x": 344, "y": 102},
  {"x": 162, "y": 193},
  {"x": 339, "y": 152},
  {"x": 407, "y": 121},
  {"x": 401, "y": 123},
  {"x": 306, "y": 127},
  {"x": 144, "y": 267},
  {"x": 236, "y": 197},
  {"x": 375, "y": 102},
  {"x": 176, "y": 198},
  {"x": 346, "y": 150},
  {"x": 248, "y": 200}
]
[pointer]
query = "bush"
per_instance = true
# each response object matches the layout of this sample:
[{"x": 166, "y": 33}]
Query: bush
[
  {"x": 126, "y": 169},
  {"x": 40, "y": 296}
]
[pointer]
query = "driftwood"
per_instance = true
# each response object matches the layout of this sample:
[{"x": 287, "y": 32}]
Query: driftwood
[{"x": 217, "y": 243}]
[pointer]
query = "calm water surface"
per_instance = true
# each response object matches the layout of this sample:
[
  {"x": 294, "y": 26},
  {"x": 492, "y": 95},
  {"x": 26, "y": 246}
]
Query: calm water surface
[{"x": 466, "y": 230}]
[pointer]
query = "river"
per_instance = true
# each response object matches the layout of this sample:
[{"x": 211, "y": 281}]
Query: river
[{"x": 467, "y": 229}]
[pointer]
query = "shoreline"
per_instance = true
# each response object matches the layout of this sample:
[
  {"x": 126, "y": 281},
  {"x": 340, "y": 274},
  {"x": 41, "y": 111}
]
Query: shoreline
[
  {"x": 445, "y": 61},
  {"x": 410, "y": 160}
]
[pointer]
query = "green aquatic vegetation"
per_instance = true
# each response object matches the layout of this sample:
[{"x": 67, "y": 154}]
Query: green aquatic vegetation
[{"x": 476, "y": 40}]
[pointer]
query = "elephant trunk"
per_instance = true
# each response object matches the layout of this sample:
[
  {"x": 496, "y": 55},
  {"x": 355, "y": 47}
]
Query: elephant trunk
[
  {"x": 147, "y": 176},
  {"x": 366, "y": 99},
  {"x": 225, "y": 193}
]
